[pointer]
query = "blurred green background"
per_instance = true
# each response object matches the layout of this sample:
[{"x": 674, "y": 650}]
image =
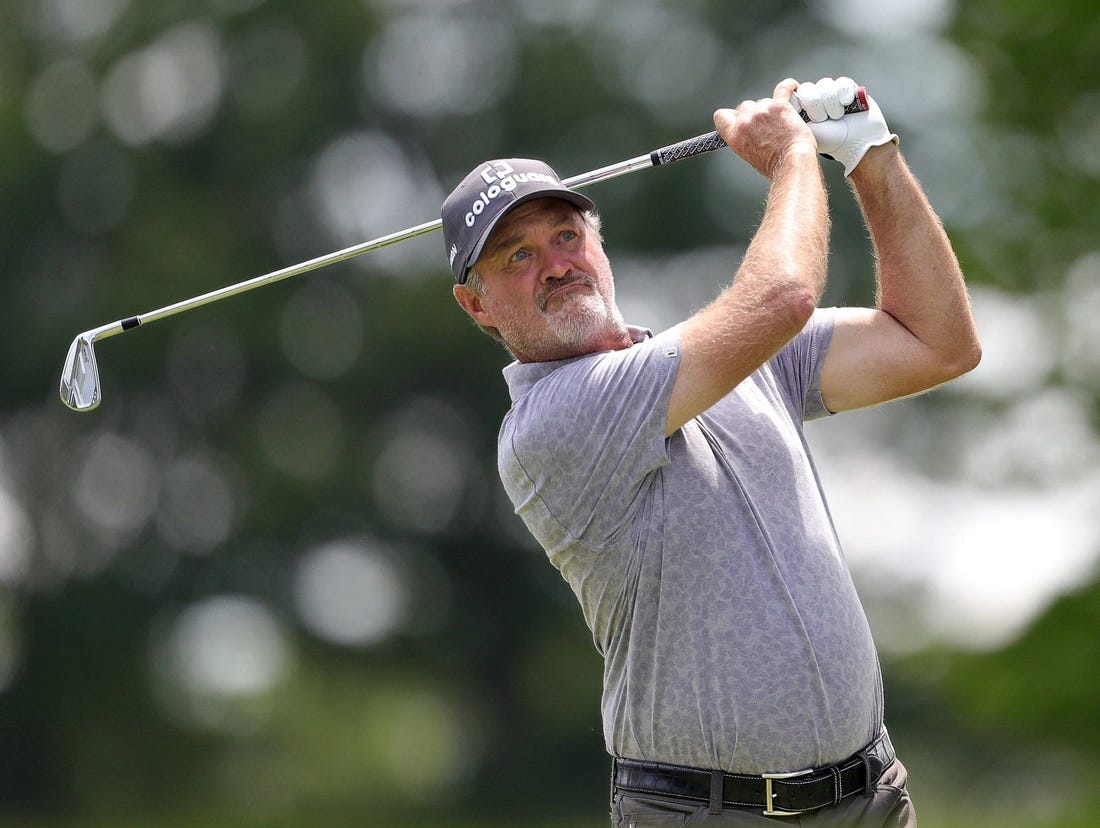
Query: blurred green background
[{"x": 272, "y": 580}]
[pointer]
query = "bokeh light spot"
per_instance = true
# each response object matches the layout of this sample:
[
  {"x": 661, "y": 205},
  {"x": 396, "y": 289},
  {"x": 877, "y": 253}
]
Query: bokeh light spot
[
  {"x": 349, "y": 592},
  {"x": 426, "y": 471},
  {"x": 1023, "y": 355},
  {"x": 364, "y": 186},
  {"x": 1081, "y": 357},
  {"x": 427, "y": 66},
  {"x": 116, "y": 485},
  {"x": 169, "y": 91},
  {"x": 72, "y": 21},
  {"x": 216, "y": 654},
  {"x": 197, "y": 509},
  {"x": 16, "y": 540}
]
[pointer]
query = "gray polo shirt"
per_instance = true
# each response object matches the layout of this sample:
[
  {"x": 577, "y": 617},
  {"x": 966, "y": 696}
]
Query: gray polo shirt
[{"x": 706, "y": 563}]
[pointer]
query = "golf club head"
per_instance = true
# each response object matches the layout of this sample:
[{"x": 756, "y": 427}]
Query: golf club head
[{"x": 80, "y": 376}]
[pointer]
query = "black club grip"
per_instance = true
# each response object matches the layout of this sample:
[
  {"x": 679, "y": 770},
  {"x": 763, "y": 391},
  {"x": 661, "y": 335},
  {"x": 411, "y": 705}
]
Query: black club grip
[
  {"x": 712, "y": 140},
  {"x": 686, "y": 149}
]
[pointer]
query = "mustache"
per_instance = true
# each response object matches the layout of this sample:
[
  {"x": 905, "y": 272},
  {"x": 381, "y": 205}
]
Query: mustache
[{"x": 570, "y": 278}]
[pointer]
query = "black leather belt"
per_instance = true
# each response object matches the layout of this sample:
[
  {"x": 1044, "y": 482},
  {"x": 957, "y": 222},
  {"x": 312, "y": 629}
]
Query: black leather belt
[{"x": 778, "y": 794}]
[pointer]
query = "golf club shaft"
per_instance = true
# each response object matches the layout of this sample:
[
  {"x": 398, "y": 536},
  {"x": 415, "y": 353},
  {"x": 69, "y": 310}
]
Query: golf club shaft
[
  {"x": 666, "y": 155},
  {"x": 80, "y": 387}
]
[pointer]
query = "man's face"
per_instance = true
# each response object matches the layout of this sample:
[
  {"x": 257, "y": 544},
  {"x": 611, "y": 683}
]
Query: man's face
[{"x": 547, "y": 285}]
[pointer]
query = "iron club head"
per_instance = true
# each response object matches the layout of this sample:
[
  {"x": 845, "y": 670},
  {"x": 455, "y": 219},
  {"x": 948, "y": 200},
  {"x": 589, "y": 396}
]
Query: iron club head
[{"x": 80, "y": 377}]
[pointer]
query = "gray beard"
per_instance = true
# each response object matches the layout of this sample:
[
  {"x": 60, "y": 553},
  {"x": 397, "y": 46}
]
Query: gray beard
[
  {"x": 577, "y": 325},
  {"x": 573, "y": 327}
]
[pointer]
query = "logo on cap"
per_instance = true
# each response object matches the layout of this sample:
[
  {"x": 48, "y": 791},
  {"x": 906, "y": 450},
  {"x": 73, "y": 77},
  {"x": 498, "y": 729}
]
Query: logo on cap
[{"x": 501, "y": 177}]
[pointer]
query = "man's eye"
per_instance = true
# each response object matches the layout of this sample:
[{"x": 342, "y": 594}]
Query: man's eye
[
  {"x": 518, "y": 256},
  {"x": 568, "y": 235}
]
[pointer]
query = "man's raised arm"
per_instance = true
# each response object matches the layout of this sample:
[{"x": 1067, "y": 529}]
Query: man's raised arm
[
  {"x": 782, "y": 275},
  {"x": 921, "y": 332}
]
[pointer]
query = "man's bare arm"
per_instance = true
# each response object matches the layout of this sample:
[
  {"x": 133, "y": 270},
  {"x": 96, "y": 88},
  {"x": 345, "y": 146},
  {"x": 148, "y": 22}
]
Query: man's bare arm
[
  {"x": 782, "y": 275},
  {"x": 921, "y": 332}
]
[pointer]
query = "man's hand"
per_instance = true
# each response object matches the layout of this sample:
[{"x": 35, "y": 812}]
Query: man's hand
[
  {"x": 766, "y": 132},
  {"x": 840, "y": 136}
]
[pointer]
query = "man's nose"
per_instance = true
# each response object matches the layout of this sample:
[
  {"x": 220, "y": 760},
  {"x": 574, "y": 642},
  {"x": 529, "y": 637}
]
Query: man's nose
[{"x": 555, "y": 264}]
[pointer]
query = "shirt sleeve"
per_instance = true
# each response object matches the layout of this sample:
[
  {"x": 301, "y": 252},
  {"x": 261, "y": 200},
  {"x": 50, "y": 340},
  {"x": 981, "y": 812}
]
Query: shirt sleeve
[
  {"x": 579, "y": 447},
  {"x": 797, "y": 366}
]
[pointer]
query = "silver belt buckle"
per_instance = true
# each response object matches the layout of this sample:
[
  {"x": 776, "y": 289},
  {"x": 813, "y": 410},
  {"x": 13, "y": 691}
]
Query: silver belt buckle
[{"x": 769, "y": 795}]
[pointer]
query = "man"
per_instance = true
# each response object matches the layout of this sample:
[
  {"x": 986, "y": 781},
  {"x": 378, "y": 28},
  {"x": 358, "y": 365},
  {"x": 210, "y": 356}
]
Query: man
[{"x": 668, "y": 479}]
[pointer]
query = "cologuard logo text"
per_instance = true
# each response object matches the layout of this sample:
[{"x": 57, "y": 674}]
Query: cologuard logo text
[{"x": 501, "y": 177}]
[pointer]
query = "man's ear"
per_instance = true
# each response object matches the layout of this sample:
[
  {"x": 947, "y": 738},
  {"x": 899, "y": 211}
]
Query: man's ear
[{"x": 472, "y": 303}]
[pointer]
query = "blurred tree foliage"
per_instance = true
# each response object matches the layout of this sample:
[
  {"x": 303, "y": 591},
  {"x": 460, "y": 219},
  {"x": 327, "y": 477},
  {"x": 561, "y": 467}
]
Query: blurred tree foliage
[
  {"x": 1040, "y": 106},
  {"x": 154, "y": 151}
]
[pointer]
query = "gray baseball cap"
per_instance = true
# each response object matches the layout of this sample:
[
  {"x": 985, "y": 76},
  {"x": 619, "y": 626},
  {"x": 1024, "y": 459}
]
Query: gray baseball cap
[{"x": 483, "y": 198}]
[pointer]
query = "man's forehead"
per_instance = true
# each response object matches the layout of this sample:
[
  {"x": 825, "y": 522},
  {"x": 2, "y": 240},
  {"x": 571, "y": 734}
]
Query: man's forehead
[{"x": 539, "y": 210}]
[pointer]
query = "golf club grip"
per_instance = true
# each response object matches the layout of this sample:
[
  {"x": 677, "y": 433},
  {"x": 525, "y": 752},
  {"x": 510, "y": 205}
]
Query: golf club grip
[
  {"x": 712, "y": 140},
  {"x": 686, "y": 149}
]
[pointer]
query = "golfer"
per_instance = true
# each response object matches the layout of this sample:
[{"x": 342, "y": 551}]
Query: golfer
[{"x": 668, "y": 478}]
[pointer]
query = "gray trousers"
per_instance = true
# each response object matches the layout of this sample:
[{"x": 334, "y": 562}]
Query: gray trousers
[{"x": 890, "y": 806}]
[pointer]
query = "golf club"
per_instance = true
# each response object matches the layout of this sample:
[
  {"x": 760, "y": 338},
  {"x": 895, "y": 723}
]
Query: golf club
[{"x": 80, "y": 386}]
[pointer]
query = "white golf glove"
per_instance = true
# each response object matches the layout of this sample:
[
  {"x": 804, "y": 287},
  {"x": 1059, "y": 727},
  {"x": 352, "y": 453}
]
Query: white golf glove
[{"x": 841, "y": 136}]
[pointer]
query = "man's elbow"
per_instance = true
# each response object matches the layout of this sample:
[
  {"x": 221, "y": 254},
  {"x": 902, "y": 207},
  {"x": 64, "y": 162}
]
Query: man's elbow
[
  {"x": 794, "y": 305},
  {"x": 961, "y": 360},
  {"x": 973, "y": 356}
]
